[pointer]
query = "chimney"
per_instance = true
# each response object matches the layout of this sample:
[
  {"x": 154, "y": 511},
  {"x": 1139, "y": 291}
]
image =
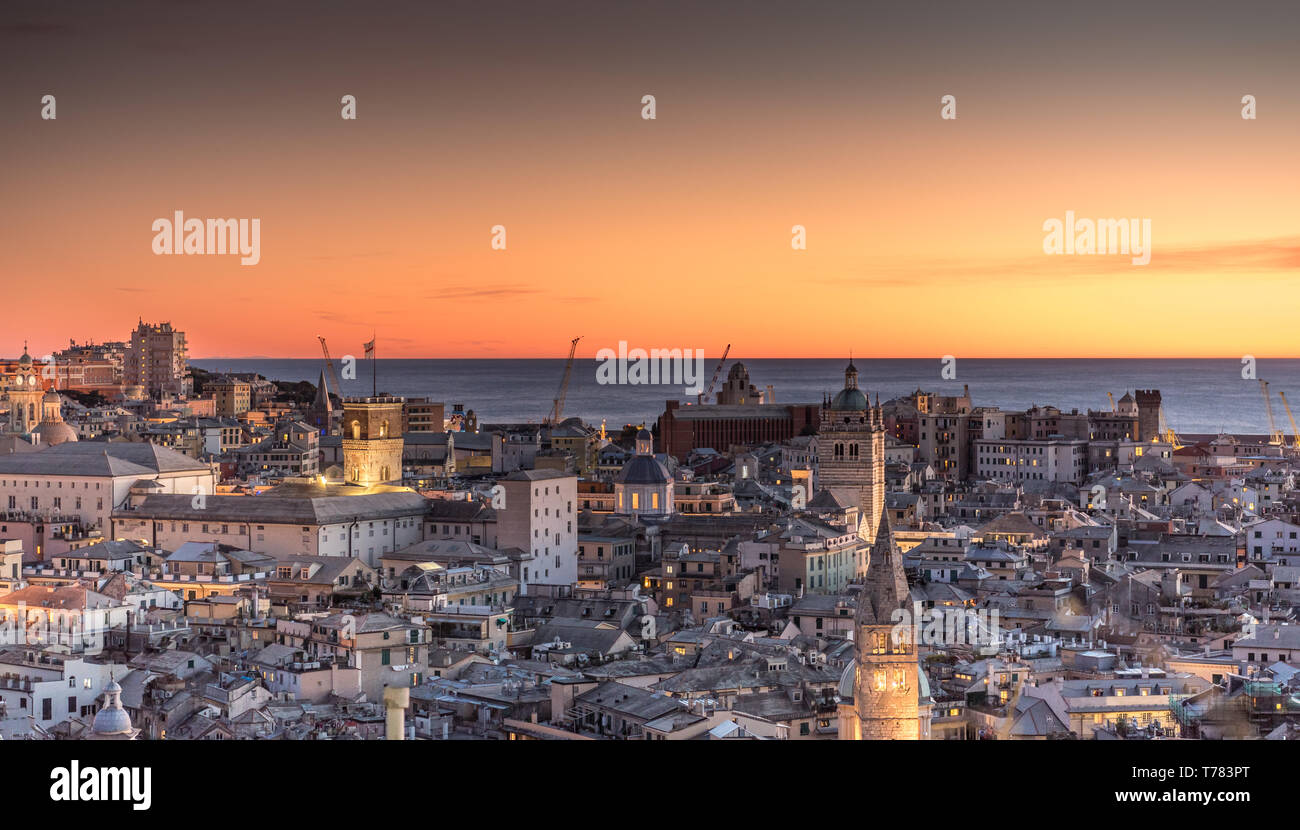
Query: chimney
[{"x": 396, "y": 699}]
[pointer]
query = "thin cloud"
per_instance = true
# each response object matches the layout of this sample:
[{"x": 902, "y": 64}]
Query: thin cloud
[
  {"x": 483, "y": 293},
  {"x": 1280, "y": 255}
]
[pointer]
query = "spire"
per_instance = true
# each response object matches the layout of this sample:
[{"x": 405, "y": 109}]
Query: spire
[
  {"x": 885, "y": 590},
  {"x": 322, "y": 401}
]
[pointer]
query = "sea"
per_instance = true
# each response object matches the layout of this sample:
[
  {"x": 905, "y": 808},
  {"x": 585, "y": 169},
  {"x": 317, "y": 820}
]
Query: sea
[{"x": 1199, "y": 395}]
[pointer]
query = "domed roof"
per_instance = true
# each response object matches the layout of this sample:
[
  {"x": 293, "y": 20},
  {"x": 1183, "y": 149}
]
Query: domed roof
[
  {"x": 51, "y": 396},
  {"x": 737, "y": 372},
  {"x": 850, "y": 400},
  {"x": 644, "y": 469},
  {"x": 26, "y": 359},
  {"x": 112, "y": 719},
  {"x": 644, "y": 434},
  {"x": 54, "y": 433}
]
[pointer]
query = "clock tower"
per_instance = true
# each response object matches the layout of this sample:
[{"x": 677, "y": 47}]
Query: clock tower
[{"x": 24, "y": 396}]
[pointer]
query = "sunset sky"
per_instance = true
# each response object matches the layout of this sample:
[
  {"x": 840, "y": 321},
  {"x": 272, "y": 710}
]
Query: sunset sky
[{"x": 924, "y": 235}]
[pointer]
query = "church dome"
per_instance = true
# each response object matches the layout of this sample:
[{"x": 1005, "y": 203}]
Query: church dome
[
  {"x": 25, "y": 360},
  {"x": 644, "y": 469},
  {"x": 849, "y": 400},
  {"x": 112, "y": 719},
  {"x": 52, "y": 396},
  {"x": 54, "y": 433}
]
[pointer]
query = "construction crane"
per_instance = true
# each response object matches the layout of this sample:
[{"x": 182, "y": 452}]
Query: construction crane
[
  {"x": 1274, "y": 435},
  {"x": 700, "y": 399},
  {"x": 334, "y": 373},
  {"x": 1167, "y": 433},
  {"x": 557, "y": 405},
  {"x": 1295, "y": 433},
  {"x": 1112, "y": 401}
]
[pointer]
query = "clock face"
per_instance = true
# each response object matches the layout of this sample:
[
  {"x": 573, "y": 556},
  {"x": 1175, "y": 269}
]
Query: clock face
[{"x": 19, "y": 380}]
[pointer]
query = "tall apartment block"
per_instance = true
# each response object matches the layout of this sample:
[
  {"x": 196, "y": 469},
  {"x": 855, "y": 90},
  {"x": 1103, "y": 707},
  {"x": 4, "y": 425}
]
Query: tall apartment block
[{"x": 157, "y": 360}]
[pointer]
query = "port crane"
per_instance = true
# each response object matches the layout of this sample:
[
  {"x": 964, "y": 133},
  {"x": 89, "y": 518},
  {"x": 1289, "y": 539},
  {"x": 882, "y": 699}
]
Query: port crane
[
  {"x": 1167, "y": 433},
  {"x": 1112, "y": 402},
  {"x": 714, "y": 382},
  {"x": 334, "y": 373},
  {"x": 1295, "y": 433},
  {"x": 1274, "y": 434},
  {"x": 557, "y": 405}
]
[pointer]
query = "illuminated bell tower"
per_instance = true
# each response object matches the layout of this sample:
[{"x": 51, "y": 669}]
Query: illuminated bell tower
[
  {"x": 886, "y": 683},
  {"x": 372, "y": 440},
  {"x": 25, "y": 397}
]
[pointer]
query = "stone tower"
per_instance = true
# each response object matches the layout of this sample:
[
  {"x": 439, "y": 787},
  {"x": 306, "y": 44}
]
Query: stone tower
[
  {"x": 886, "y": 685},
  {"x": 851, "y": 452},
  {"x": 1148, "y": 412},
  {"x": 372, "y": 440},
  {"x": 25, "y": 397}
]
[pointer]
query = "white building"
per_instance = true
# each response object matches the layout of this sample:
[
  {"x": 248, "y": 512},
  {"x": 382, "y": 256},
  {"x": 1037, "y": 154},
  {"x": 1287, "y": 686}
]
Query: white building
[
  {"x": 41, "y": 690},
  {"x": 1050, "y": 459},
  {"x": 539, "y": 520},
  {"x": 365, "y": 526},
  {"x": 1270, "y": 538},
  {"x": 89, "y": 480}
]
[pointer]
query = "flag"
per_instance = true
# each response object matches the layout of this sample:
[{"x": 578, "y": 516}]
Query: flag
[{"x": 370, "y": 349}]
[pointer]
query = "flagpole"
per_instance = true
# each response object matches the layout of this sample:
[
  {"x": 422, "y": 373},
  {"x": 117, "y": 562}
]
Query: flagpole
[{"x": 374, "y": 366}]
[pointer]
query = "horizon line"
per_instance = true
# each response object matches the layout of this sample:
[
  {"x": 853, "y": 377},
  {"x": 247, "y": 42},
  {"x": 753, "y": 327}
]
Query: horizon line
[{"x": 1234, "y": 358}]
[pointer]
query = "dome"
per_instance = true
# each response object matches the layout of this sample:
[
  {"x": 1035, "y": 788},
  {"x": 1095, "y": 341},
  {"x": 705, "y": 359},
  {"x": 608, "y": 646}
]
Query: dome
[
  {"x": 850, "y": 400},
  {"x": 737, "y": 372},
  {"x": 25, "y": 360},
  {"x": 54, "y": 433},
  {"x": 52, "y": 396},
  {"x": 644, "y": 469},
  {"x": 112, "y": 719},
  {"x": 644, "y": 434}
]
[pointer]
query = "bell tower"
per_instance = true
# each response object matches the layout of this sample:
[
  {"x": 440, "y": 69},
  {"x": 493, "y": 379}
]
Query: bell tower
[
  {"x": 886, "y": 685},
  {"x": 851, "y": 452},
  {"x": 372, "y": 440}
]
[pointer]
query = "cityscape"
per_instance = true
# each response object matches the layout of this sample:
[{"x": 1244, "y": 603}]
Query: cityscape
[
  {"x": 434, "y": 376},
  {"x": 192, "y": 555}
]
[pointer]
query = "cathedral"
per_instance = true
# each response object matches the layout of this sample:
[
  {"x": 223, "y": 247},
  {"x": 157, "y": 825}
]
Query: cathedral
[
  {"x": 851, "y": 453},
  {"x": 883, "y": 692}
]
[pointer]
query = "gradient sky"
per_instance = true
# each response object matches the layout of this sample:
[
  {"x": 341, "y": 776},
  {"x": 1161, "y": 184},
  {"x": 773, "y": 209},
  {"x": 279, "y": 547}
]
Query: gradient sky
[{"x": 924, "y": 235}]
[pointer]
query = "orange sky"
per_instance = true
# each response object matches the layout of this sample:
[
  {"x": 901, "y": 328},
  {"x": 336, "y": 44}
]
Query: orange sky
[{"x": 924, "y": 236}]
